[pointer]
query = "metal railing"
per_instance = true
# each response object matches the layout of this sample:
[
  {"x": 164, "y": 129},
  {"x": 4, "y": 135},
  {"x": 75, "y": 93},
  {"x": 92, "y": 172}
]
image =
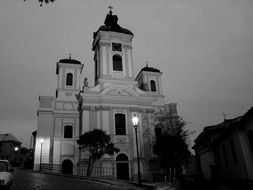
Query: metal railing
[{"x": 81, "y": 169}]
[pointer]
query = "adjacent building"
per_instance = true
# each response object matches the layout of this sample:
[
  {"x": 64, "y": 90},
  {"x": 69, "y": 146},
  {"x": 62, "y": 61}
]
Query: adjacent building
[
  {"x": 225, "y": 151},
  {"x": 109, "y": 105},
  {"x": 9, "y": 148}
]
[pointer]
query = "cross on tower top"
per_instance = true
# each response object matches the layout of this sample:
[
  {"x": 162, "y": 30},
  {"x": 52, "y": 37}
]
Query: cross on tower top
[
  {"x": 110, "y": 7},
  {"x": 146, "y": 63},
  {"x": 70, "y": 56}
]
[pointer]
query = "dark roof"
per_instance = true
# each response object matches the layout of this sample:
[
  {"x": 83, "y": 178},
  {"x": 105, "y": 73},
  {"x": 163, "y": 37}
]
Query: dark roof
[
  {"x": 238, "y": 122},
  {"x": 8, "y": 137},
  {"x": 150, "y": 69},
  {"x": 70, "y": 61},
  {"x": 222, "y": 129},
  {"x": 67, "y": 61},
  {"x": 111, "y": 24},
  {"x": 214, "y": 130}
]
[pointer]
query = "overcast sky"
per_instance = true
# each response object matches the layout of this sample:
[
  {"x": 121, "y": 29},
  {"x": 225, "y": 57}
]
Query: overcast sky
[{"x": 203, "y": 47}]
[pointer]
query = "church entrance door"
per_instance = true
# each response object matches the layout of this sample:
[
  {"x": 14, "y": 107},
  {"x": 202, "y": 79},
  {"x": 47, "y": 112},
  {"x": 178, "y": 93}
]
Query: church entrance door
[
  {"x": 122, "y": 167},
  {"x": 67, "y": 167}
]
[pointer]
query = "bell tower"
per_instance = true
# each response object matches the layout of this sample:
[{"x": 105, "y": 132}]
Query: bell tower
[
  {"x": 68, "y": 71},
  {"x": 113, "y": 58}
]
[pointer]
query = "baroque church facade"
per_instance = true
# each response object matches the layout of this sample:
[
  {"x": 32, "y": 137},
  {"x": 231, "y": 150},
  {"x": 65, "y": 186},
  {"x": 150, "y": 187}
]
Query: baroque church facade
[{"x": 109, "y": 105}]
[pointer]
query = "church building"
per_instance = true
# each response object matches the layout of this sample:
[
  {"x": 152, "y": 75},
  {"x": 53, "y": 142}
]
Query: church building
[{"x": 109, "y": 105}]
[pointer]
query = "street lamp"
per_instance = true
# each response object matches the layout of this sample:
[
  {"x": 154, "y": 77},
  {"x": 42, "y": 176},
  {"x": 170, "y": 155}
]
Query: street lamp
[
  {"x": 16, "y": 148},
  {"x": 135, "y": 124},
  {"x": 41, "y": 143}
]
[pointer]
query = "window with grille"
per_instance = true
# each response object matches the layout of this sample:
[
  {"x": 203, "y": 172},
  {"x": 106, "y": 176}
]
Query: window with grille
[{"x": 120, "y": 124}]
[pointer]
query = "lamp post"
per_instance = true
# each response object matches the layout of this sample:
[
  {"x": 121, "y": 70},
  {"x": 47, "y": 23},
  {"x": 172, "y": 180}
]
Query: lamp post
[
  {"x": 41, "y": 144},
  {"x": 135, "y": 124},
  {"x": 15, "y": 155}
]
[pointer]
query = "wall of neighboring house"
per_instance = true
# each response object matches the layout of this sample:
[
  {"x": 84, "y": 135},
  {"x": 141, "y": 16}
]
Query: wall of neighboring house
[
  {"x": 236, "y": 165},
  {"x": 206, "y": 160},
  {"x": 230, "y": 159},
  {"x": 246, "y": 136}
]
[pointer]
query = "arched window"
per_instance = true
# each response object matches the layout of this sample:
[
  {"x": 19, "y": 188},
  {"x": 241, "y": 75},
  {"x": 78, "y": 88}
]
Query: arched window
[
  {"x": 117, "y": 63},
  {"x": 153, "y": 86},
  {"x": 69, "y": 80},
  {"x": 120, "y": 124},
  {"x": 68, "y": 131}
]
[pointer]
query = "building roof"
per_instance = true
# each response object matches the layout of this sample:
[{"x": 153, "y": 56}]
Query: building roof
[
  {"x": 111, "y": 24},
  {"x": 69, "y": 61},
  {"x": 239, "y": 122},
  {"x": 222, "y": 129},
  {"x": 8, "y": 137},
  {"x": 148, "y": 69},
  {"x": 213, "y": 132}
]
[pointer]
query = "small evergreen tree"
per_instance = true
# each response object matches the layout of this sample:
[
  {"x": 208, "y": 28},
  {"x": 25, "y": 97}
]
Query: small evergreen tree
[{"x": 97, "y": 143}]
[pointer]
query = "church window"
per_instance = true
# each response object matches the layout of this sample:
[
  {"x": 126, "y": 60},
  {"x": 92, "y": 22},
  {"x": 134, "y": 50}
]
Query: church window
[
  {"x": 120, "y": 124},
  {"x": 68, "y": 131},
  {"x": 116, "y": 47},
  {"x": 69, "y": 80},
  {"x": 117, "y": 63},
  {"x": 153, "y": 86}
]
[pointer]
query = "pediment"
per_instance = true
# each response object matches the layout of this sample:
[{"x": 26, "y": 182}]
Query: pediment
[{"x": 117, "y": 90}]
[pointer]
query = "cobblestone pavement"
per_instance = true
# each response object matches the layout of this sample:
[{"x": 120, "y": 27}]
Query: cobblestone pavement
[{"x": 28, "y": 180}]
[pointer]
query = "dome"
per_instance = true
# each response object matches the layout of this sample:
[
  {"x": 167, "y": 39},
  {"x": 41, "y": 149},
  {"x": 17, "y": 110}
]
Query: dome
[
  {"x": 111, "y": 24},
  {"x": 69, "y": 61},
  {"x": 66, "y": 61},
  {"x": 150, "y": 69}
]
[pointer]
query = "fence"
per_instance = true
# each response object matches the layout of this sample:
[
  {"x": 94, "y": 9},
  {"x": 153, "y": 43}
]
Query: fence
[{"x": 97, "y": 172}]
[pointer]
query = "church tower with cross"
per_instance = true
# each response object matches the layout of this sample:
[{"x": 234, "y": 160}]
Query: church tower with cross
[
  {"x": 110, "y": 104},
  {"x": 112, "y": 46}
]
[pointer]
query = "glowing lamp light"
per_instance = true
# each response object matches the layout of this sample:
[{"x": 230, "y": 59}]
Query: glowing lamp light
[
  {"x": 16, "y": 148},
  {"x": 135, "y": 120}
]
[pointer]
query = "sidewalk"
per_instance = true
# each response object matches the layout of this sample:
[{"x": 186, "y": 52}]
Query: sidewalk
[{"x": 115, "y": 182}]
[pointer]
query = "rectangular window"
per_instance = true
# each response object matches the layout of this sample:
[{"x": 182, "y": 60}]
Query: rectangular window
[
  {"x": 250, "y": 139},
  {"x": 233, "y": 151},
  {"x": 120, "y": 124},
  {"x": 225, "y": 155}
]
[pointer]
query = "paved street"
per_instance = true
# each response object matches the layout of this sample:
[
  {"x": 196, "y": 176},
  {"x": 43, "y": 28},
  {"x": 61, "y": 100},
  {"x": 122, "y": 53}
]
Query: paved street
[{"x": 28, "y": 180}]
